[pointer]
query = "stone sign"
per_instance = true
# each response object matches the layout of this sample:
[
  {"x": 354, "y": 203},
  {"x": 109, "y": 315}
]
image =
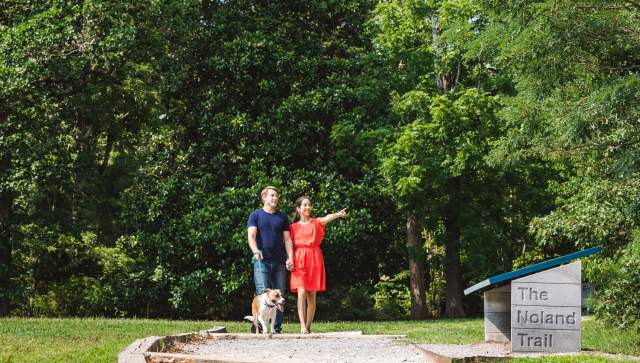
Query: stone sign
[
  {"x": 546, "y": 310},
  {"x": 537, "y": 308}
]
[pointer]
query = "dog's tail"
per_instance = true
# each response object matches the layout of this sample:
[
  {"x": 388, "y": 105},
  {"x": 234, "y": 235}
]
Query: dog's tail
[{"x": 249, "y": 318}]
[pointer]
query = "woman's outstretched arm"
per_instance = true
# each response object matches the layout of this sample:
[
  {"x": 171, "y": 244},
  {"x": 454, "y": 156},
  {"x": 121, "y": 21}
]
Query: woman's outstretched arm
[{"x": 332, "y": 217}]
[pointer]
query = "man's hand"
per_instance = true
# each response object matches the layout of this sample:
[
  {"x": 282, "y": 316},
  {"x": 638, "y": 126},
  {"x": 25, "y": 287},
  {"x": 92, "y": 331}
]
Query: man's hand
[
  {"x": 288, "y": 245},
  {"x": 257, "y": 255},
  {"x": 252, "y": 232}
]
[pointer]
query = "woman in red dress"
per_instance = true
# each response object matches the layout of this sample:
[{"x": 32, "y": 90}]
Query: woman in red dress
[{"x": 308, "y": 275}]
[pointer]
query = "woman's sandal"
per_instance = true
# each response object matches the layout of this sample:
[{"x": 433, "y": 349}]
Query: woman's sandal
[{"x": 304, "y": 331}]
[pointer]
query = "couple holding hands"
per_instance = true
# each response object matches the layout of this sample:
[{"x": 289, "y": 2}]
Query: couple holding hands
[{"x": 278, "y": 246}]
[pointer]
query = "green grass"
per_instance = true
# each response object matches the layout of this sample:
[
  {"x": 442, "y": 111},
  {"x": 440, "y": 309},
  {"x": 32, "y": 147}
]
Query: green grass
[
  {"x": 100, "y": 340},
  {"x": 465, "y": 331},
  {"x": 79, "y": 340}
]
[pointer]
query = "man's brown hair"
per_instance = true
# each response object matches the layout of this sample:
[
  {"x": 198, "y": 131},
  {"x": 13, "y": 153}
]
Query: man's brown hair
[{"x": 266, "y": 189}]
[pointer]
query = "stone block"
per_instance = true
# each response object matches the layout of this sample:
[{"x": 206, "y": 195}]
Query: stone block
[
  {"x": 545, "y": 317},
  {"x": 498, "y": 299},
  {"x": 500, "y": 337},
  {"x": 545, "y": 294},
  {"x": 545, "y": 340},
  {"x": 497, "y": 323},
  {"x": 570, "y": 273}
]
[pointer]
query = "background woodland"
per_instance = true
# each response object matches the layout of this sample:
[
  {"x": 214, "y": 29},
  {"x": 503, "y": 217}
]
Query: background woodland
[{"x": 466, "y": 138}]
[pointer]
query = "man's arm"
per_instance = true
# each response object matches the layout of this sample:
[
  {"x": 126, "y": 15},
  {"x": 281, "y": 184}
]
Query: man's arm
[
  {"x": 288, "y": 245},
  {"x": 252, "y": 232}
]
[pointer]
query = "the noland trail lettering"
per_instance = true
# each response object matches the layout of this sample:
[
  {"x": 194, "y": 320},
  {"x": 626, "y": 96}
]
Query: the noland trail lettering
[{"x": 546, "y": 310}]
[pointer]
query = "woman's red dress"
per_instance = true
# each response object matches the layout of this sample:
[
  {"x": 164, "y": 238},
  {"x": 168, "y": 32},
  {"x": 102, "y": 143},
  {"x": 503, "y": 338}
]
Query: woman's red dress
[{"x": 308, "y": 262}]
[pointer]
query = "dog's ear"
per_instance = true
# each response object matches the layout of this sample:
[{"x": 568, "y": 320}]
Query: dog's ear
[{"x": 267, "y": 290}]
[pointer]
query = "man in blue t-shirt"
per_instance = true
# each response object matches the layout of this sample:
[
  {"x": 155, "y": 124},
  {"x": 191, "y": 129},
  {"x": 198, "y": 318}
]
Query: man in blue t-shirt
[{"x": 271, "y": 245}]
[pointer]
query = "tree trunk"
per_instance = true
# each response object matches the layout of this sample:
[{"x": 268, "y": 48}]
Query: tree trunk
[
  {"x": 445, "y": 82},
  {"x": 453, "y": 271},
  {"x": 416, "y": 269},
  {"x": 5, "y": 241},
  {"x": 107, "y": 153}
]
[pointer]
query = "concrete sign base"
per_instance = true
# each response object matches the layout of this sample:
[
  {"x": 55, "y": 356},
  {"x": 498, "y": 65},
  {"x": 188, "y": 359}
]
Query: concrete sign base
[{"x": 497, "y": 314}]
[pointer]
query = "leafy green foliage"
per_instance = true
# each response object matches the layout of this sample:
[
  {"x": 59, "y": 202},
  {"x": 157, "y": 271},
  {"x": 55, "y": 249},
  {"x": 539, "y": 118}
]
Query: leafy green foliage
[
  {"x": 574, "y": 66},
  {"x": 450, "y": 136},
  {"x": 592, "y": 212},
  {"x": 616, "y": 280},
  {"x": 172, "y": 118},
  {"x": 135, "y": 138},
  {"x": 392, "y": 300}
]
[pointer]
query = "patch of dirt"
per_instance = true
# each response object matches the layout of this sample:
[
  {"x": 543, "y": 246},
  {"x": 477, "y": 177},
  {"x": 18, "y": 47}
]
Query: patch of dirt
[{"x": 178, "y": 346}]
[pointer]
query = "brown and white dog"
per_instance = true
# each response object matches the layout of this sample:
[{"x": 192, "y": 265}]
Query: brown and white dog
[{"x": 264, "y": 308}]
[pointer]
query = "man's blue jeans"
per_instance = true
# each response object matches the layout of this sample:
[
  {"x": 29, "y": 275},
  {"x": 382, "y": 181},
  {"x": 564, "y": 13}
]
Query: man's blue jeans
[{"x": 267, "y": 274}]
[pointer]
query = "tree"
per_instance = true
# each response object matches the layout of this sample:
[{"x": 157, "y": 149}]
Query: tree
[
  {"x": 576, "y": 103},
  {"x": 257, "y": 91},
  {"x": 575, "y": 67},
  {"x": 400, "y": 33},
  {"x": 135, "y": 137},
  {"x": 447, "y": 124},
  {"x": 76, "y": 86},
  {"x": 5, "y": 242}
]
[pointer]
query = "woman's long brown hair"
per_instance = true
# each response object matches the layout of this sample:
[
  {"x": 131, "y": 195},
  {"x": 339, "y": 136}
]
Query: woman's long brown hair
[{"x": 298, "y": 204}]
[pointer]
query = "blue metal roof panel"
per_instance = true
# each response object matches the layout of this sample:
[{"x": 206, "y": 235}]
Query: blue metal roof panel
[{"x": 508, "y": 276}]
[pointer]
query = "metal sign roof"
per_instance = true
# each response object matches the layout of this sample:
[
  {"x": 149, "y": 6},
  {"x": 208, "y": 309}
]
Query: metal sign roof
[{"x": 508, "y": 276}]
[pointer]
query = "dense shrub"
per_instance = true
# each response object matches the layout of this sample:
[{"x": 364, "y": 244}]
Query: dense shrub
[
  {"x": 617, "y": 282},
  {"x": 346, "y": 303},
  {"x": 392, "y": 298}
]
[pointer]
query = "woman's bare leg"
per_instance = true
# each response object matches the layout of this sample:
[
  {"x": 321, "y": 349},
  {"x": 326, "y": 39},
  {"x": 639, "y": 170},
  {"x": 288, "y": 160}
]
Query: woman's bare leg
[
  {"x": 311, "y": 308},
  {"x": 302, "y": 309}
]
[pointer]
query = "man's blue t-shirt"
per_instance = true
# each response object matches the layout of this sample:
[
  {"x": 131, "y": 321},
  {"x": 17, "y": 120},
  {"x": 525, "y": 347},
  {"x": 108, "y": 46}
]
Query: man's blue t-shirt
[{"x": 269, "y": 236}]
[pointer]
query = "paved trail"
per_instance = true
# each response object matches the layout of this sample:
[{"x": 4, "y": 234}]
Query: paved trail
[
  {"x": 343, "y": 347},
  {"x": 310, "y": 349}
]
